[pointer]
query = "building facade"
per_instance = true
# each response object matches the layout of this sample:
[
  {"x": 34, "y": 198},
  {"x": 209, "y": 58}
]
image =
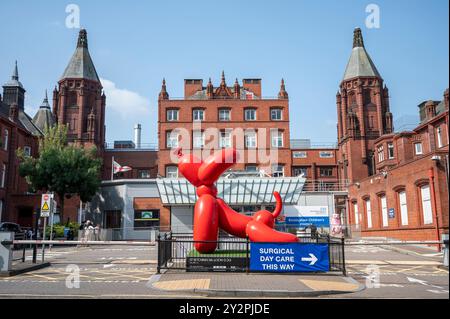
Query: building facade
[
  {"x": 209, "y": 117},
  {"x": 398, "y": 180},
  {"x": 17, "y": 131},
  {"x": 364, "y": 180}
]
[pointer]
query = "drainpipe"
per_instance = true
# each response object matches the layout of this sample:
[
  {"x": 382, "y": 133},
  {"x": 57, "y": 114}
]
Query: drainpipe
[{"x": 433, "y": 203}]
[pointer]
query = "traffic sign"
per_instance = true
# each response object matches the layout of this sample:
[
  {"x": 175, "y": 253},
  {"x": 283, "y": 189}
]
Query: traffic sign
[
  {"x": 46, "y": 205},
  {"x": 289, "y": 257}
]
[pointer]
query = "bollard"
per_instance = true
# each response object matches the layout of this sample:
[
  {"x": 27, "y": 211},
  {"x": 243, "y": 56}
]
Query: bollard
[
  {"x": 446, "y": 252},
  {"x": 6, "y": 254}
]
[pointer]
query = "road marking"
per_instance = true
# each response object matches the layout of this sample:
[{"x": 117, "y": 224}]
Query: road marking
[
  {"x": 433, "y": 255},
  {"x": 422, "y": 282},
  {"x": 409, "y": 269},
  {"x": 414, "y": 262},
  {"x": 438, "y": 291},
  {"x": 365, "y": 262},
  {"x": 134, "y": 262},
  {"x": 394, "y": 262}
]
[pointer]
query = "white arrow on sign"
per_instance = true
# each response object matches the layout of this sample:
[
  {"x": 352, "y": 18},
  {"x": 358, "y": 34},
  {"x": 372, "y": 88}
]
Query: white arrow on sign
[{"x": 311, "y": 258}]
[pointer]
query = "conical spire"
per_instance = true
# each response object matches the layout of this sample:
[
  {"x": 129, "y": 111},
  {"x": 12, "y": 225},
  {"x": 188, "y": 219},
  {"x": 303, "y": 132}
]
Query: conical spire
[
  {"x": 45, "y": 103},
  {"x": 163, "y": 95},
  {"x": 360, "y": 64},
  {"x": 223, "y": 83},
  {"x": 282, "y": 94},
  {"x": 80, "y": 65},
  {"x": 237, "y": 89},
  {"x": 44, "y": 117},
  {"x": 14, "y": 78},
  {"x": 15, "y": 75}
]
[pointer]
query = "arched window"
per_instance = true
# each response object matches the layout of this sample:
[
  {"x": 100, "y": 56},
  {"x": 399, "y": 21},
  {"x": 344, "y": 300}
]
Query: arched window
[
  {"x": 403, "y": 206},
  {"x": 427, "y": 210}
]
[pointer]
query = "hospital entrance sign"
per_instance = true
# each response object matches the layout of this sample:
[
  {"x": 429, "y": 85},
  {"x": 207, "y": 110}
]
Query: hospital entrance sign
[{"x": 289, "y": 257}]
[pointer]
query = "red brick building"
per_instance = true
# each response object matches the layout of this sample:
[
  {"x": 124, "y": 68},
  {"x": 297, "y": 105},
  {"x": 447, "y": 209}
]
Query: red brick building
[
  {"x": 399, "y": 181},
  {"x": 371, "y": 161},
  {"x": 211, "y": 117},
  {"x": 79, "y": 102},
  {"x": 17, "y": 130}
]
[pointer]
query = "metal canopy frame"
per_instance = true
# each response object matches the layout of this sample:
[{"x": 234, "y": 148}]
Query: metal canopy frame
[{"x": 238, "y": 191}]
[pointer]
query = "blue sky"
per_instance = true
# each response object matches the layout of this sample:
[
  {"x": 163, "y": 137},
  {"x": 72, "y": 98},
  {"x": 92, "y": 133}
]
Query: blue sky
[{"x": 134, "y": 44}]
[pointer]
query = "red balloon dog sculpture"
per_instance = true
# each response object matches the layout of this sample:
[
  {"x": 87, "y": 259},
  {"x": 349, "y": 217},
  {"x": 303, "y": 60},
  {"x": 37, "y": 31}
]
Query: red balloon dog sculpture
[{"x": 212, "y": 213}]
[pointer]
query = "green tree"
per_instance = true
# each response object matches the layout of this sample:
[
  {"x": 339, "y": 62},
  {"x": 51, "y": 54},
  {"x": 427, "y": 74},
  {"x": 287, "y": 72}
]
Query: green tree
[{"x": 62, "y": 168}]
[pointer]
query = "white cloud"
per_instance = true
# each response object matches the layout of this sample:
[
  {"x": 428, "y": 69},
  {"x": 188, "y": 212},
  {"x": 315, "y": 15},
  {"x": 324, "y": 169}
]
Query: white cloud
[{"x": 125, "y": 102}]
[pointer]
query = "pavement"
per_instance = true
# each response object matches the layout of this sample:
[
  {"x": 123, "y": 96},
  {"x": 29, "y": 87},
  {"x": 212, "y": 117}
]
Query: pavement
[
  {"x": 130, "y": 272},
  {"x": 254, "y": 285}
]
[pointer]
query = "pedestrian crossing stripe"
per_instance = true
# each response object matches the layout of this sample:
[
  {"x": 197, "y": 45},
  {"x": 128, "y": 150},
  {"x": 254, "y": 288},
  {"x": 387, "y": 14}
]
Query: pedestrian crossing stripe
[{"x": 45, "y": 206}]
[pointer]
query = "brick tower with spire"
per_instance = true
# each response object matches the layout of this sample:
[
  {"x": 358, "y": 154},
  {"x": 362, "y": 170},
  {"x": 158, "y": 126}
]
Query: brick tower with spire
[
  {"x": 363, "y": 113},
  {"x": 78, "y": 100}
]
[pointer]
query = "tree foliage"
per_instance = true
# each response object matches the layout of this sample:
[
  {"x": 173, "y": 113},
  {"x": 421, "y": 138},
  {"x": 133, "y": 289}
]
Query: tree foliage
[{"x": 62, "y": 168}]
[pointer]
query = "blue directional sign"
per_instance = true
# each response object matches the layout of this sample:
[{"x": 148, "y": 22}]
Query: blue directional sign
[
  {"x": 289, "y": 257},
  {"x": 304, "y": 216}
]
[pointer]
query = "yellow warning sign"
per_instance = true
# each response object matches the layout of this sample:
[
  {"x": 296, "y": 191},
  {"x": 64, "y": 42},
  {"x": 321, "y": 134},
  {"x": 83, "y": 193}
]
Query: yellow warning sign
[{"x": 45, "y": 206}]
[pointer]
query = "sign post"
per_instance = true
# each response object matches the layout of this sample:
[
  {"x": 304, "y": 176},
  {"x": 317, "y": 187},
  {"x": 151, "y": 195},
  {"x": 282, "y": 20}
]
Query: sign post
[
  {"x": 52, "y": 212},
  {"x": 46, "y": 203}
]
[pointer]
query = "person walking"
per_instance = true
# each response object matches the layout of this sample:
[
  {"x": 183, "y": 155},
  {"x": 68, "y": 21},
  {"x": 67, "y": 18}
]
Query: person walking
[
  {"x": 89, "y": 231},
  {"x": 97, "y": 232}
]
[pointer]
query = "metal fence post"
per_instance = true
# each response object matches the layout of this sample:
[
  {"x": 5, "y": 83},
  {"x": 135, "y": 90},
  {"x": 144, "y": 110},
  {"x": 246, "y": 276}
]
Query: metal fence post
[
  {"x": 344, "y": 270},
  {"x": 247, "y": 244},
  {"x": 158, "y": 267},
  {"x": 330, "y": 255},
  {"x": 446, "y": 252},
  {"x": 23, "y": 252}
]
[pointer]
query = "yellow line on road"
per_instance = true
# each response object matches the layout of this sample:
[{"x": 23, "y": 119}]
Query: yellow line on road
[
  {"x": 414, "y": 262},
  {"x": 365, "y": 262}
]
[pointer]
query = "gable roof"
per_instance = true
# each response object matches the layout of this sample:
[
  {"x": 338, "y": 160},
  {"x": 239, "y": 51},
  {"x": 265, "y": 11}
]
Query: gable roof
[{"x": 24, "y": 120}]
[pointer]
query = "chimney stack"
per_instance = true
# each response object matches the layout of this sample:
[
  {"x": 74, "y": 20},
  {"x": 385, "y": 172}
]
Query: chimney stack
[{"x": 137, "y": 135}]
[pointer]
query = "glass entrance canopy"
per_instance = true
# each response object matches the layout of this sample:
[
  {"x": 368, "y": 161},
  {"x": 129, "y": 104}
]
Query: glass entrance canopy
[{"x": 234, "y": 191}]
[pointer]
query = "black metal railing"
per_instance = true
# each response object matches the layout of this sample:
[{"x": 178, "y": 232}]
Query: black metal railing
[{"x": 177, "y": 252}]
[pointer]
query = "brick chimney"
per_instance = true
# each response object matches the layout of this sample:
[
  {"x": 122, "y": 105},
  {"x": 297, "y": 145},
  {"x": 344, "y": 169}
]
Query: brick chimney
[{"x": 430, "y": 109}]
